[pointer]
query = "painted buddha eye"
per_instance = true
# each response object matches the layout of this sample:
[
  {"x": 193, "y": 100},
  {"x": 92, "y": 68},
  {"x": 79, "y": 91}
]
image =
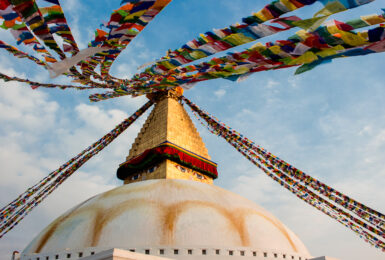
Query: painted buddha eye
[{"x": 201, "y": 177}]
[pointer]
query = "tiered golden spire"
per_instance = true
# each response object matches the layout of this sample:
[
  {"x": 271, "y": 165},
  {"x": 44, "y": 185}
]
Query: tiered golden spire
[{"x": 168, "y": 122}]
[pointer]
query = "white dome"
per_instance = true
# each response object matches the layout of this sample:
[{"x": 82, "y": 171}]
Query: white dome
[{"x": 167, "y": 213}]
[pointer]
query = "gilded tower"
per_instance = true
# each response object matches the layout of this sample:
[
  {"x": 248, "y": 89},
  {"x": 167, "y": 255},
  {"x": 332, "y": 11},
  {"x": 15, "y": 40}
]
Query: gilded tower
[{"x": 168, "y": 146}]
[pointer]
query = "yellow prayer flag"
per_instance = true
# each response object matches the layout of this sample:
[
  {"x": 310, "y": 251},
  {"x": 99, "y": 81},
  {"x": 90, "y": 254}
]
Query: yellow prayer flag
[
  {"x": 218, "y": 74},
  {"x": 302, "y": 34},
  {"x": 289, "y": 5},
  {"x": 364, "y": 35},
  {"x": 238, "y": 39},
  {"x": 307, "y": 57},
  {"x": 329, "y": 51},
  {"x": 50, "y": 41},
  {"x": 333, "y": 29},
  {"x": 36, "y": 25},
  {"x": 258, "y": 47},
  {"x": 373, "y": 19},
  {"x": 167, "y": 64},
  {"x": 204, "y": 37},
  {"x": 229, "y": 66},
  {"x": 331, "y": 8},
  {"x": 241, "y": 70},
  {"x": 197, "y": 54},
  {"x": 136, "y": 14},
  {"x": 120, "y": 91},
  {"x": 263, "y": 15},
  {"x": 54, "y": 8},
  {"x": 310, "y": 24},
  {"x": 352, "y": 39},
  {"x": 275, "y": 49}
]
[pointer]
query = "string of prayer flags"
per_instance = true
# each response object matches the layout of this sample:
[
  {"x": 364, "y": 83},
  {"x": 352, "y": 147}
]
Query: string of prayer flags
[
  {"x": 19, "y": 54},
  {"x": 35, "y": 85},
  {"x": 250, "y": 30},
  {"x": 308, "y": 48},
  {"x": 40, "y": 27},
  {"x": 14, "y": 212},
  {"x": 22, "y": 34},
  {"x": 366, "y": 222},
  {"x": 278, "y": 7},
  {"x": 57, "y": 23},
  {"x": 124, "y": 25},
  {"x": 218, "y": 41},
  {"x": 298, "y": 50},
  {"x": 31, "y": 15},
  {"x": 11, "y": 20},
  {"x": 330, "y": 41},
  {"x": 118, "y": 92}
]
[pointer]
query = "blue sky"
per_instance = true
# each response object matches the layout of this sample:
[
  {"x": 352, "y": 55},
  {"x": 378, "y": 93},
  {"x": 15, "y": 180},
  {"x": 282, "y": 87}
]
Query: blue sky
[{"x": 329, "y": 122}]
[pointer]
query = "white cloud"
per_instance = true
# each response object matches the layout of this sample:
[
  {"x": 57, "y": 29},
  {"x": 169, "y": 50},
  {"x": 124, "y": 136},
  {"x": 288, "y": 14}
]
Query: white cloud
[
  {"x": 365, "y": 130},
  {"x": 16, "y": 104},
  {"x": 93, "y": 115},
  {"x": 220, "y": 93},
  {"x": 272, "y": 83}
]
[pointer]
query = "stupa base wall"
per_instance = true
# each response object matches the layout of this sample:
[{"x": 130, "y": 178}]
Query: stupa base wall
[{"x": 179, "y": 253}]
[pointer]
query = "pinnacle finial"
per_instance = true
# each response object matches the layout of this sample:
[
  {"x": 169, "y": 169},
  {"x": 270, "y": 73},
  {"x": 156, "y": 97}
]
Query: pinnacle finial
[{"x": 174, "y": 93}]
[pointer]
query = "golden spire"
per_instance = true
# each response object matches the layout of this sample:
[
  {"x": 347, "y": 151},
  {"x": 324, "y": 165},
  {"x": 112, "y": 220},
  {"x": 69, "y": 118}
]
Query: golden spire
[{"x": 168, "y": 146}]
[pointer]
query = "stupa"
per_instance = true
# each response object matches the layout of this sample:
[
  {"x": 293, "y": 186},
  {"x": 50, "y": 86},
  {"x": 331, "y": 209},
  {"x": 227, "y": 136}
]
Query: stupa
[{"x": 168, "y": 207}]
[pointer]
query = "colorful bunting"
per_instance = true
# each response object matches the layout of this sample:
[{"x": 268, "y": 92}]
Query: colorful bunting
[
  {"x": 57, "y": 23},
  {"x": 19, "y": 54},
  {"x": 250, "y": 30},
  {"x": 31, "y": 16},
  {"x": 22, "y": 34},
  {"x": 124, "y": 25},
  {"x": 34, "y": 85},
  {"x": 306, "y": 48}
]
